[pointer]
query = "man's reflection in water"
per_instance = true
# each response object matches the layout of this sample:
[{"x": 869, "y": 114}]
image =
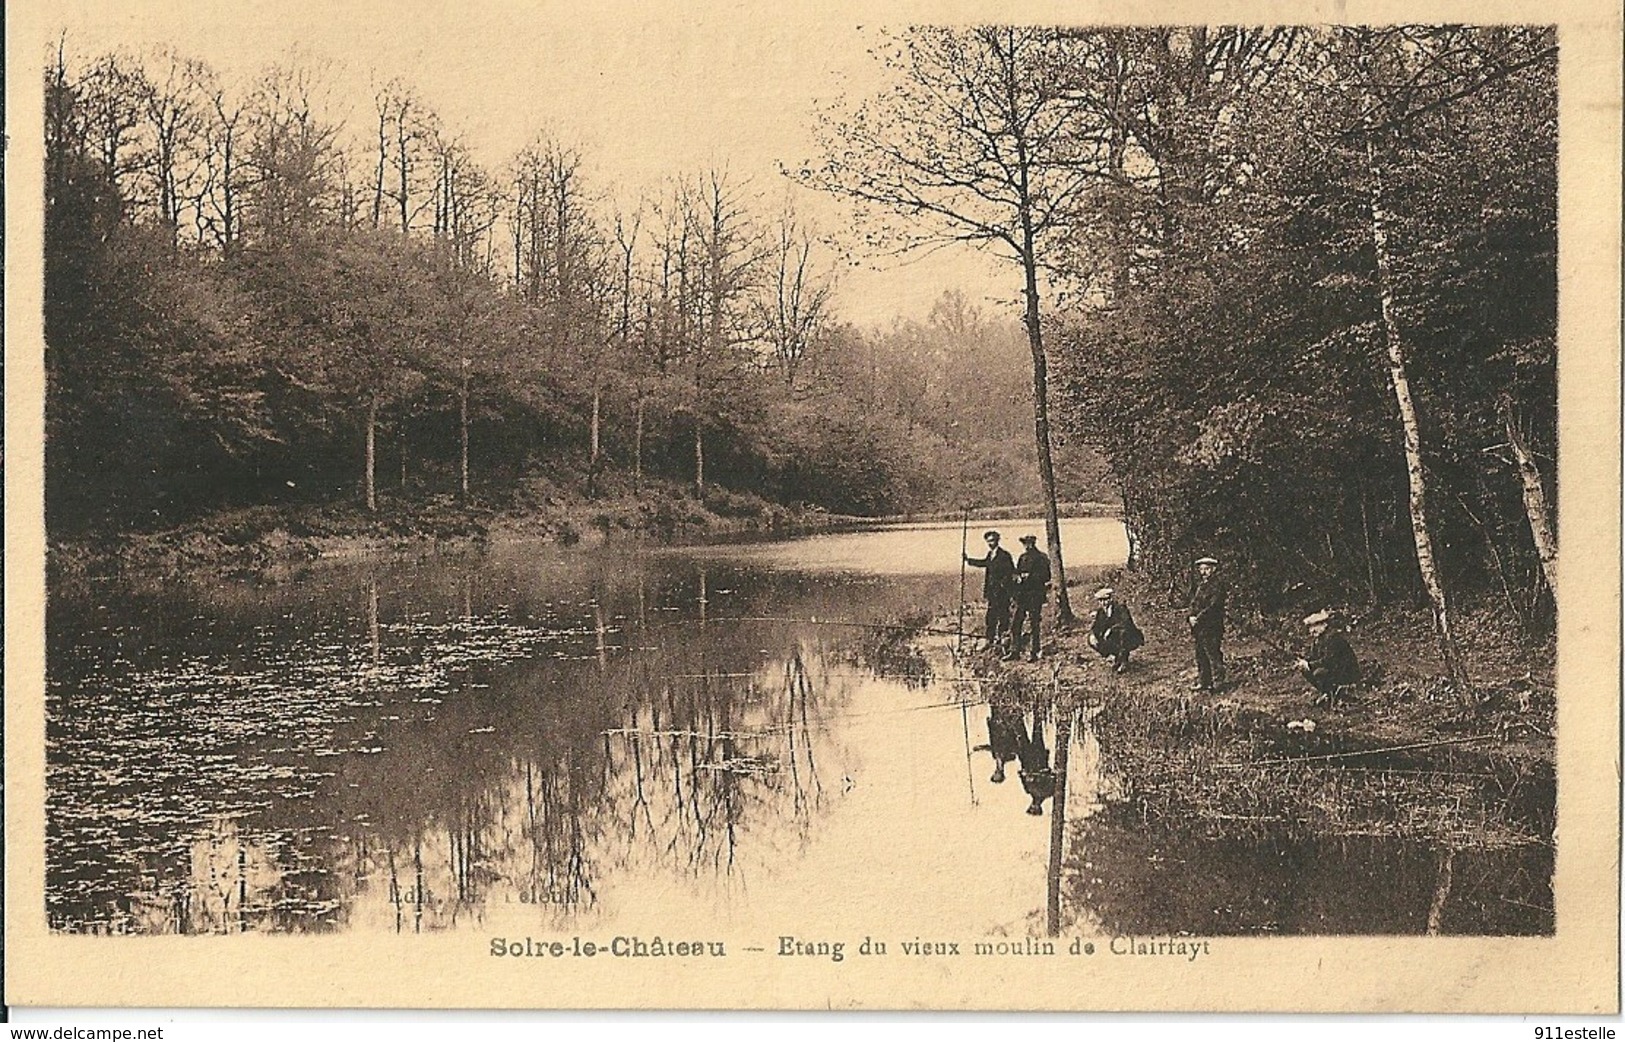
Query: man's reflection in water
[
  {"x": 1036, "y": 776},
  {"x": 1008, "y": 741},
  {"x": 1006, "y": 737}
]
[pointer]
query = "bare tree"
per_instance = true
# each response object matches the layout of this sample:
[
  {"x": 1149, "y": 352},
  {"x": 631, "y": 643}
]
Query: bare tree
[
  {"x": 219, "y": 205},
  {"x": 175, "y": 107},
  {"x": 465, "y": 202},
  {"x": 110, "y": 96},
  {"x": 981, "y": 142},
  {"x": 627, "y": 228},
  {"x": 795, "y": 300},
  {"x": 293, "y": 159},
  {"x": 730, "y": 251},
  {"x": 406, "y": 134}
]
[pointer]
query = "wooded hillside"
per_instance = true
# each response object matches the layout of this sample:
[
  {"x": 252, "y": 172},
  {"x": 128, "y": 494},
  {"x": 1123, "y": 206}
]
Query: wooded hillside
[{"x": 250, "y": 301}]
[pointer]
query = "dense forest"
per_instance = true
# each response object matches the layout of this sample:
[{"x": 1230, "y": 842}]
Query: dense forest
[
  {"x": 252, "y": 301},
  {"x": 1350, "y": 344},
  {"x": 1298, "y": 286},
  {"x": 1288, "y": 294}
]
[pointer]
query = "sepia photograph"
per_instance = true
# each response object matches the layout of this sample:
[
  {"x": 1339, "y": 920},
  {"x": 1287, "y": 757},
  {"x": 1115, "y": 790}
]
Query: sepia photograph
[{"x": 721, "y": 508}]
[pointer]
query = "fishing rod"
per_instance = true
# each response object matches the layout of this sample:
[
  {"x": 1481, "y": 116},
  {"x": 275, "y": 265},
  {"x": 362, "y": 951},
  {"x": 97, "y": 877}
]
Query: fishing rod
[
  {"x": 964, "y": 718},
  {"x": 970, "y": 773},
  {"x": 964, "y": 545},
  {"x": 813, "y": 621},
  {"x": 815, "y": 675},
  {"x": 959, "y": 647}
]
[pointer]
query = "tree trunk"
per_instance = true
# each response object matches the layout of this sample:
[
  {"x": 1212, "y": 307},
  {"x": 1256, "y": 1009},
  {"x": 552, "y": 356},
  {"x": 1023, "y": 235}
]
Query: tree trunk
[
  {"x": 462, "y": 418},
  {"x": 402, "y": 166},
  {"x": 699, "y": 459},
  {"x": 378, "y": 180},
  {"x": 1534, "y": 496},
  {"x": 1370, "y": 559},
  {"x": 372, "y": 453},
  {"x": 373, "y": 642},
  {"x": 1398, "y": 377},
  {"x": 1441, "y": 893},
  {"x": 637, "y": 451},
  {"x": 1061, "y": 711},
  {"x": 594, "y": 451},
  {"x": 1046, "y": 466}
]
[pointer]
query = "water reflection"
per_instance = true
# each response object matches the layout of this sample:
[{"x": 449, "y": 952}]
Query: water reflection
[
  {"x": 538, "y": 739},
  {"x": 1139, "y": 880},
  {"x": 419, "y": 746},
  {"x": 1016, "y": 736}
]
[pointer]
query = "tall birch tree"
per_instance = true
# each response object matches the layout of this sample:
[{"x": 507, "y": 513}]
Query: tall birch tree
[{"x": 1401, "y": 76}]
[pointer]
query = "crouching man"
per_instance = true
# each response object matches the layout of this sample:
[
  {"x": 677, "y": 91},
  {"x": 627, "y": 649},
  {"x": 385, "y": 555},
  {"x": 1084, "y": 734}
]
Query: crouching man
[
  {"x": 1113, "y": 634},
  {"x": 1329, "y": 664}
]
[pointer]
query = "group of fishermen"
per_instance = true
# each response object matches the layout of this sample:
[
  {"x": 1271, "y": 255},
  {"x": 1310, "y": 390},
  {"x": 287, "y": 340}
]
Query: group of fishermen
[{"x": 1015, "y": 591}]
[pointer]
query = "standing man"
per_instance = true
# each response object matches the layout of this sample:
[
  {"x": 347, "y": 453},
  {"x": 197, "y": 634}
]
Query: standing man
[
  {"x": 1330, "y": 662},
  {"x": 997, "y": 585},
  {"x": 1113, "y": 633},
  {"x": 1032, "y": 588},
  {"x": 1207, "y": 624}
]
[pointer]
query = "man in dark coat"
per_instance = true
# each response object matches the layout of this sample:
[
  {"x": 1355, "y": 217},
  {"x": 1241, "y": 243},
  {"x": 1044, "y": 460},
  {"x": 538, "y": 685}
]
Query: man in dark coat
[
  {"x": 1330, "y": 663},
  {"x": 997, "y": 585},
  {"x": 1032, "y": 588},
  {"x": 1037, "y": 777},
  {"x": 1006, "y": 737},
  {"x": 1207, "y": 624},
  {"x": 1113, "y": 633}
]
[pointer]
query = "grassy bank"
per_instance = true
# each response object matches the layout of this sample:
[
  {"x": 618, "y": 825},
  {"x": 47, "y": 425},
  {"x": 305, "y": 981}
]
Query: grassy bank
[
  {"x": 263, "y": 538},
  {"x": 1405, "y": 757}
]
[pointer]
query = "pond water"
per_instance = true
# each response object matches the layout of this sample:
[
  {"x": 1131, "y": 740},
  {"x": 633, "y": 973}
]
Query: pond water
[
  {"x": 543, "y": 739},
  {"x": 535, "y": 737}
]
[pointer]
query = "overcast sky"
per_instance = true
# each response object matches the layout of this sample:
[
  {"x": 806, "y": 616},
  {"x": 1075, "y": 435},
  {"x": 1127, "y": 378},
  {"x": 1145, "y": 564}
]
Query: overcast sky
[{"x": 646, "y": 91}]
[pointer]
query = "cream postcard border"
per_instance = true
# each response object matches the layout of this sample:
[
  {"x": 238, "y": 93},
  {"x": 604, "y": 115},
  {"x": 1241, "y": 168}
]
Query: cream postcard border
[{"x": 1575, "y": 971}]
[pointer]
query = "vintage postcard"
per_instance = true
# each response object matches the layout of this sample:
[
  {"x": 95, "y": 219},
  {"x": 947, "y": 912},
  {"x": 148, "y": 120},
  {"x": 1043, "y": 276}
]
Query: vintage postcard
[{"x": 942, "y": 506}]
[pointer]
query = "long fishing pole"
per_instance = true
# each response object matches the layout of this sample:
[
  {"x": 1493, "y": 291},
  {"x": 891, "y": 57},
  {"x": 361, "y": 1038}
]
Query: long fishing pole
[
  {"x": 964, "y": 719},
  {"x": 959, "y": 649},
  {"x": 964, "y": 535},
  {"x": 889, "y": 626}
]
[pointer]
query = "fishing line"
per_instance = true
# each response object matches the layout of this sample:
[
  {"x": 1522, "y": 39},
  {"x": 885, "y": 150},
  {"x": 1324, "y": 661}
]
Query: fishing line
[{"x": 639, "y": 732}]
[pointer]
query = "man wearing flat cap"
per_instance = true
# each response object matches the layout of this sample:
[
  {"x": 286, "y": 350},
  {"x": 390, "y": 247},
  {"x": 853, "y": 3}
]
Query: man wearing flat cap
[
  {"x": 1207, "y": 624},
  {"x": 998, "y": 583},
  {"x": 1113, "y": 633},
  {"x": 1032, "y": 588},
  {"x": 1330, "y": 663}
]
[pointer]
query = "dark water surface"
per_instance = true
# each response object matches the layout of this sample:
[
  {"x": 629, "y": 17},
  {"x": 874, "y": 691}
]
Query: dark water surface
[{"x": 541, "y": 739}]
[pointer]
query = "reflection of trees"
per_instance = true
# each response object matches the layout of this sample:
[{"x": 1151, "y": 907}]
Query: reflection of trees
[
  {"x": 501, "y": 792},
  {"x": 1148, "y": 878},
  {"x": 557, "y": 824},
  {"x": 710, "y": 756},
  {"x": 232, "y": 883},
  {"x": 798, "y": 688},
  {"x": 649, "y": 752}
]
